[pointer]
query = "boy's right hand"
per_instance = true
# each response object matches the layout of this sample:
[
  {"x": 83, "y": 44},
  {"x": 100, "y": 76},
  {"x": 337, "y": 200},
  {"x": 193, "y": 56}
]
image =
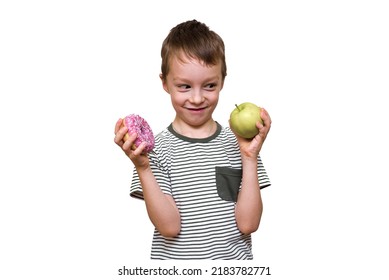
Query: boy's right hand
[{"x": 139, "y": 159}]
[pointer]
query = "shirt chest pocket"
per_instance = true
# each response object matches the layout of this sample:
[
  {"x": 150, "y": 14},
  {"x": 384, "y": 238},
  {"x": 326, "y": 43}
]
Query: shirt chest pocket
[{"x": 228, "y": 182}]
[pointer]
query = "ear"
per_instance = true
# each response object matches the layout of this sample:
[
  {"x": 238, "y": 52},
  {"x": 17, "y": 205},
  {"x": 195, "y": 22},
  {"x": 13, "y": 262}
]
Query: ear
[{"x": 164, "y": 85}]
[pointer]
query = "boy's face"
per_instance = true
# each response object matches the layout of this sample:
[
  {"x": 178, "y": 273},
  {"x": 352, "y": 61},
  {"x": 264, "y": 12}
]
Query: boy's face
[{"x": 194, "y": 89}]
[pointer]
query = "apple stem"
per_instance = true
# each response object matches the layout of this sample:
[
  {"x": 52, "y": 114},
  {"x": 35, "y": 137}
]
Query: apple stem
[{"x": 237, "y": 107}]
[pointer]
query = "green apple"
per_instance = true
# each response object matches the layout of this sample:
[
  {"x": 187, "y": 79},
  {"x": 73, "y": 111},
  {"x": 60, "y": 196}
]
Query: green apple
[{"x": 243, "y": 119}]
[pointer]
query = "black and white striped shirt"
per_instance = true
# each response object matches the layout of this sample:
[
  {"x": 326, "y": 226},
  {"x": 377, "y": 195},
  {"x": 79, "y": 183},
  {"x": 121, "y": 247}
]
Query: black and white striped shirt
[{"x": 203, "y": 176}]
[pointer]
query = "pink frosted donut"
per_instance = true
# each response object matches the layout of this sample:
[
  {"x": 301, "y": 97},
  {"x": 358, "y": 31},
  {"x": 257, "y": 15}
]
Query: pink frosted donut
[{"x": 136, "y": 123}]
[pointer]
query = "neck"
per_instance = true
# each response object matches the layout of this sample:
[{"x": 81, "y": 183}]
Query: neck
[{"x": 202, "y": 131}]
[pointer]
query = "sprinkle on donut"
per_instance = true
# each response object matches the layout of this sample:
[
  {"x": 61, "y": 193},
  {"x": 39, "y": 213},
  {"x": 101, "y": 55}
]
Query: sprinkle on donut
[{"x": 136, "y": 123}]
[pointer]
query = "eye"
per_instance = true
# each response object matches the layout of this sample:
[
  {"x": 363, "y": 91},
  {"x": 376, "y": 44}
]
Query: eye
[
  {"x": 183, "y": 87},
  {"x": 211, "y": 86}
]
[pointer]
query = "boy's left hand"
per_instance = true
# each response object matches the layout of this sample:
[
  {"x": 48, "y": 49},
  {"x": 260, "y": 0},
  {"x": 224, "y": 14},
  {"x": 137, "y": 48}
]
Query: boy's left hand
[{"x": 250, "y": 148}]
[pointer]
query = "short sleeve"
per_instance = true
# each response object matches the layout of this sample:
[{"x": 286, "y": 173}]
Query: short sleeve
[
  {"x": 263, "y": 179},
  {"x": 161, "y": 174}
]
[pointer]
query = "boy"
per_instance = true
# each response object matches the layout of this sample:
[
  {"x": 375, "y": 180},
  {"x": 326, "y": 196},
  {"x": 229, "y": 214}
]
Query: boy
[{"x": 201, "y": 185}]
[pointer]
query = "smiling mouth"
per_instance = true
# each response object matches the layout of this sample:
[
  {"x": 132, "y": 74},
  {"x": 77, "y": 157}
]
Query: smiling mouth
[{"x": 196, "y": 109}]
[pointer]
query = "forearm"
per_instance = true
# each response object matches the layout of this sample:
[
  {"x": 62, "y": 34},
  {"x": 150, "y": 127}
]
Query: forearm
[
  {"x": 248, "y": 209},
  {"x": 161, "y": 207}
]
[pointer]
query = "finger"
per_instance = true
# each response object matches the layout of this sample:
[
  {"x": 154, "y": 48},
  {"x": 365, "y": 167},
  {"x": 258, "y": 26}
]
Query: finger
[
  {"x": 265, "y": 117},
  {"x": 259, "y": 124},
  {"x": 119, "y": 136},
  {"x": 118, "y": 125},
  {"x": 139, "y": 150},
  {"x": 129, "y": 143}
]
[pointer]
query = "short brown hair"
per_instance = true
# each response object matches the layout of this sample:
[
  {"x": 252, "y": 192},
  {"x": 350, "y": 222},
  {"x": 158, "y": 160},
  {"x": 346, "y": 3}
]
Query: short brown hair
[{"x": 195, "y": 40}]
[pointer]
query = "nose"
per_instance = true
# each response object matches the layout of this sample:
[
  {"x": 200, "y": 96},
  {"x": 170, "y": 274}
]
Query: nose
[{"x": 196, "y": 97}]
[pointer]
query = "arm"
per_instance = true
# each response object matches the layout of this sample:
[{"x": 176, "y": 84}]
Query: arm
[
  {"x": 161, "y": 208},
  {"x": 248, "y": 209}
]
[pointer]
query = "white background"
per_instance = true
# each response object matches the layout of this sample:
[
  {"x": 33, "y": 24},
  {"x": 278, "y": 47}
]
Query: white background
[{"x": 70, "y": 69}]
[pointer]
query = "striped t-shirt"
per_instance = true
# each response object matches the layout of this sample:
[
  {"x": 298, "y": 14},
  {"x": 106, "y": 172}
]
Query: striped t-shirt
[{"x": 203, "y": 176}]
